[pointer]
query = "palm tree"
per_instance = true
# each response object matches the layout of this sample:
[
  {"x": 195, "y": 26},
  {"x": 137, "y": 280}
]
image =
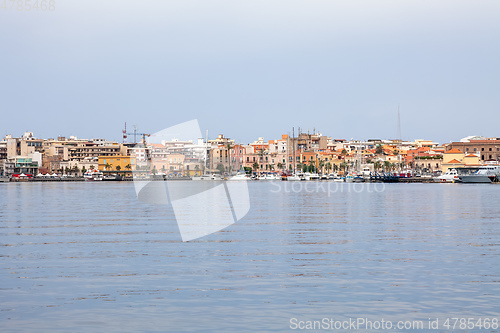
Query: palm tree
[
  {"x": 343, "y": 166},
  {"x": 108, "y": 166},
  {"x": 118, "y": 168},
  {"x": 321, "y": 164},
  {"x": 377, "y": 165},
  {"x": 67, "y": 170},
  {"x": 76, "y": 169},
  {"x": 280, "y": 166},
  {"x": 328, "y": 167},
  {"x": 84, "y": 170},
  {"x": 229, "y": 147}
]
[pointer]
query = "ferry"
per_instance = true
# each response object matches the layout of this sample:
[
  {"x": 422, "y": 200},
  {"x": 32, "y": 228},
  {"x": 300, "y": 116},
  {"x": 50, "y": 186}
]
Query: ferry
[
  {"x": 93, "y": 175},
  {"x": 483, "y": 174}
]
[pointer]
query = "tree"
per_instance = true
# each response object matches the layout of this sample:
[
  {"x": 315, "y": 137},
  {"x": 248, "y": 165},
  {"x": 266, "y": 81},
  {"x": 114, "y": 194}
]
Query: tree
[
  {"x": 321, "y": 164},
  {"x": 379, "y": 150},
  {"x": 377, "y": 165},
  {"x": 108, "y": 166},
  {"x": 343, "y": 166},
  {"x": 280, "y": 166},
  {"x": 248, "y": 170},
  {"x": 76, "y": 169},
  {"x": 118, "y": 168},
  {"x": 67, "y": 170},
  {"x": 220, "y": 167},
  {"x": 328, "y": 167},
  {"x": 84, "y": 170},
  {"x": 387, "y": 165},
  {"x": 91, "y": 167},
  {"x": 255, "y": 166},
  {"x": 311, "y": 166},
  {"x": 344, "y": 152}
]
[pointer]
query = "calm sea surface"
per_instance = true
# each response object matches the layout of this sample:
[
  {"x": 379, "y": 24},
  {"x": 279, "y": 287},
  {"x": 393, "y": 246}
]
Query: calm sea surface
[{"x": 92, "y": 257}]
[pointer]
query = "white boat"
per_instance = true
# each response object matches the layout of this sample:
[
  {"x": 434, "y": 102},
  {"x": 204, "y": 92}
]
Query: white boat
[
  {"x": 239, "y": 176},
  {"x": 450, "y": 176},
  {"x": 293, "y": 177},
  {"x": 484, "y": 174},
  {"x": 324, "y": 177},
  {"x": 93, "y": 175},
  {"x": 269, "y": 176},
  {"x": 314, "y": 176},
  {"x": 202, "y": 177}
]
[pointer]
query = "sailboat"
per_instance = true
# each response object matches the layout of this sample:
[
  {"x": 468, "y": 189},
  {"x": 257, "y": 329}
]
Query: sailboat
[{"x": 205, "y": 175}]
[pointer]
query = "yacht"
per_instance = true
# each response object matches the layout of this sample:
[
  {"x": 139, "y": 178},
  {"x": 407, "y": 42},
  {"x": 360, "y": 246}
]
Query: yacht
[
  {"x": 484, "y": 174},
  {"x": 324, "y": 177},
  {"x": 239, "y": 176},
  {"x": 269, "y": 176},
  {"x": 450, "y": 176},
  {"x": 293, "y": 177}
]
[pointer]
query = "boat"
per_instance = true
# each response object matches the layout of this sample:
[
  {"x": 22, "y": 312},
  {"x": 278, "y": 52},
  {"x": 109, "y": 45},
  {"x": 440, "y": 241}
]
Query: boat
[
  {"x": 324, "y": 177},
  {"x": 314, "y": 176},
  {"x": 112, "y": 177},
  {"x": 269, "y": 176},
  {"x": 4, "y": 179},
  {"x": 93, "y": 175},
  {"x": 483, "y": 174},
  {"x": 294, "y": 177},
  {"x": 349, "y": 178},
  {"x": 450, "y": 176},
  {"x": 358, "y": 179},
  {"x": 239, "y": 176}
]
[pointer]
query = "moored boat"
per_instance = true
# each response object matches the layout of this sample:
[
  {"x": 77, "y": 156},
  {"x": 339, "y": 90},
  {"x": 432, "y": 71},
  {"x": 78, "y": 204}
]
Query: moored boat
[{"x": 450, "y": 176}]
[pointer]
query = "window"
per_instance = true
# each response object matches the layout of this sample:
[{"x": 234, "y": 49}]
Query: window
[
  {"x": 482, "y": 149},
  {"x": 490, "y": 149},
  {"x": 104, "y": 161},
  {"x": 466, "y": 149}
]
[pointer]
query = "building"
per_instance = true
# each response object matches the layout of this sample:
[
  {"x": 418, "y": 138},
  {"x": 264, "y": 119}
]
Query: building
[
  {"x": 117, "y": 163},
  {"x": 486, "y": 149},
  {"x": 17, "y": 165}
]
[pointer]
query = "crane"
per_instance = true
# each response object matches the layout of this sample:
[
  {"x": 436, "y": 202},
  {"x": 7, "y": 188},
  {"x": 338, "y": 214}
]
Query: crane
[{"x": 135, "y": 134}]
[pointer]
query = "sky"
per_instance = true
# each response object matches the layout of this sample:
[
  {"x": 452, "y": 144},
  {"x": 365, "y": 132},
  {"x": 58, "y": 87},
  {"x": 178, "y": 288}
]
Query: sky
[{"x": 250, "y": 69}]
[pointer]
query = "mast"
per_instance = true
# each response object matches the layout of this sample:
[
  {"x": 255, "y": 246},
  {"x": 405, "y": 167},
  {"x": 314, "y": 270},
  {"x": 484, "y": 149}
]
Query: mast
[
  {"x": 293, "y": 147},
  {"x": 399, "y": 137}
]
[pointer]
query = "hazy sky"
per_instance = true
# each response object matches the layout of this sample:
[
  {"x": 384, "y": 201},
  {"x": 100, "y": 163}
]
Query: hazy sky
[{"x": 253, "y": 68}]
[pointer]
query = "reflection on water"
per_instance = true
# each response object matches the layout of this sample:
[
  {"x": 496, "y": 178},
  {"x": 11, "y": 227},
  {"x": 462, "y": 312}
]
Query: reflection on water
[{"x": 91, "y": 257}]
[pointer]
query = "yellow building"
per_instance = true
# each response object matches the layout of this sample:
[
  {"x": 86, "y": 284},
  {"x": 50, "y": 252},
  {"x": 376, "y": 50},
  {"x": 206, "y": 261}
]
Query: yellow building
[
  {"x": 117, "y": 163},
  {"x": 453, "y": 158}
]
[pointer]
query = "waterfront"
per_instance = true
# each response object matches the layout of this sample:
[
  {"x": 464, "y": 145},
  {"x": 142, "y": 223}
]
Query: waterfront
[{"x": 91, "y": 257}]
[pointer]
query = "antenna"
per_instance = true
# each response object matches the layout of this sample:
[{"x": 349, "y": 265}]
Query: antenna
[{"x": 399, "y": 125}]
